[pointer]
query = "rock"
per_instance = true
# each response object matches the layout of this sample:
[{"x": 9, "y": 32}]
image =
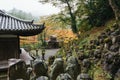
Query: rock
[
  {"x": 86, "y": 63},
  {"x": 82, "y": 56},
  {"x": 108, "y": 40},
  {"x": 108, "y": 31},
  {"x": 97, "y": 53},
  {"x": 108, "y": 58},
  {"x": 115, "y": 39},
  {"x": 111, "y": 63},
  {"x": 101, "y": 38},
  {"x": 57, "y": 68},
  {"x": 64, "y": 76},
  {"x": 91, "y": 53},
  {"x": 108, "y": 67},
  {"x": 72, "y": 60},
  {"x": 92, "y": 46},
  {"x": 97, "y": 43},
  {"x": 115, "y": 26},
  {"x": 106, "y": 46},
  {"x": 101, "y": 41},
  {"x": 83, "y": 76},
  {"x": 40, "y": 68},
  {"x": 119, "y": 51},
  {"x": 93, "y": 42},
  {"x": 114, "y": 47},
  {"x": 103, "y": 35},
  {"x": 85, "y": 66},
  {"x": 107, "y": 43},
  {"x": 116, "y": 32}
]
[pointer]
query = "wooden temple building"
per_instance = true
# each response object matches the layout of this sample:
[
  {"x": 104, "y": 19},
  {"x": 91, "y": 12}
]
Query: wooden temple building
[{"x": 11, "y": 28}]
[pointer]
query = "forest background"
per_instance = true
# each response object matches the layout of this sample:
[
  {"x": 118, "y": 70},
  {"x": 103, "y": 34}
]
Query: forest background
[{"x": 77, "y": 19}]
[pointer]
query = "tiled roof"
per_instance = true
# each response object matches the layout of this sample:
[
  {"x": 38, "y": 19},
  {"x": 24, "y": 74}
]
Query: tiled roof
[{"x": 15, "y": 26}]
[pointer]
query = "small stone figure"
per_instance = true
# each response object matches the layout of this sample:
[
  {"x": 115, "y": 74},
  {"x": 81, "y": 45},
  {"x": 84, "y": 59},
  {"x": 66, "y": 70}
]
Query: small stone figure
[
  {"x": 83, "y": 76},
  {"x": 117, "y": 75},
  {"x": 42, "y": 78},
  {"x": 43, "y": 54},
  {"x": 56, "y": 68},
  {"x": 51, "y": 60},
  {"x": 18, "y": 71},
  {"x": 36, "y": 52},
  {"x": 72, "y": 67},
  {"x": 39, "y": 69}
]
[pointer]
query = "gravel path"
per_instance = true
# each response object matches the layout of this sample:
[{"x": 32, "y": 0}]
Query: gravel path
[{"x": 49, "y": 52}]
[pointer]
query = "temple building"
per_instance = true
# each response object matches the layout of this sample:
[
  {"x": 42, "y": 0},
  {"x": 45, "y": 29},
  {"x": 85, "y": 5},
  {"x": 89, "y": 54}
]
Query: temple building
[{"x": 11, "y": 28}]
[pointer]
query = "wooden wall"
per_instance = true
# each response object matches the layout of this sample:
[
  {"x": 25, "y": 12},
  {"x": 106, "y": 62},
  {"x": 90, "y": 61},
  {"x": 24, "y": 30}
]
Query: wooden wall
[{"x": 9, "y": 47}]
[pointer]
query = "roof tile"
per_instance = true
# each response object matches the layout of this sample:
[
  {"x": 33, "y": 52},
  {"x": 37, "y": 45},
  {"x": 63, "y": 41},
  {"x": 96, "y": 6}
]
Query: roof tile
[{"x": 11, "y": 25}]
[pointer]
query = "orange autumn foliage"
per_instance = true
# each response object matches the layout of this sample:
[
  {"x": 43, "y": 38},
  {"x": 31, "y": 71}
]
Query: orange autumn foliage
[
  {"x": 28, "y": 40},
  {"x": 61, "y": 34}
]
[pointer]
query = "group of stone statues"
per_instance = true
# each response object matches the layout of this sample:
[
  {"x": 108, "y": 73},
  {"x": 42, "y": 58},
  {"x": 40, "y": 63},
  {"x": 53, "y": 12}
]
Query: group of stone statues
[
  {"x": 59, "y": 70},
  {"x": 105, "y": 51}
]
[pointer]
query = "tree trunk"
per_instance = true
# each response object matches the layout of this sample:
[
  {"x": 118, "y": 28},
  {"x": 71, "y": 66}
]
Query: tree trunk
[
  {"x": 115, "y": 9},
  {"x": 73, "y": 18}
]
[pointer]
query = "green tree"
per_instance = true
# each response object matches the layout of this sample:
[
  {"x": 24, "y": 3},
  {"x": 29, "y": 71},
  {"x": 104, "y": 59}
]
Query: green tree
[
  {"x": 68, "y": 9},
  {"x": 99, "y": 12},
  {"x": 53, "y": 21},
  {"x": 82, "y": 15},
  {"x": 21, "y": 14},
  {"x": 115, "y": 5}
]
